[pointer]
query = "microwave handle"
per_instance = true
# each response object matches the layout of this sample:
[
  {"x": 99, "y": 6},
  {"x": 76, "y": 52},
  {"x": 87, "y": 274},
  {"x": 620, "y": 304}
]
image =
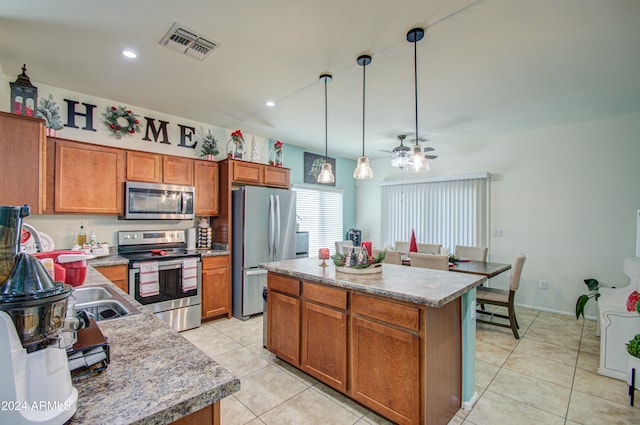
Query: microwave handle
[{"x": 184, "y": 203}]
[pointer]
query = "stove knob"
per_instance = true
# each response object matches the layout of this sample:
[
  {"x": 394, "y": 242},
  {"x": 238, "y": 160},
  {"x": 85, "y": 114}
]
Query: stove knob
[
  {"x": 135, "y": 236},
  {"x": 126, "y": 236},
  {"x": 171, "y": 235}
]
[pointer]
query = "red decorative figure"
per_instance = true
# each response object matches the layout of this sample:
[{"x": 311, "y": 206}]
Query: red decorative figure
[{"x": 413, "y": 247}]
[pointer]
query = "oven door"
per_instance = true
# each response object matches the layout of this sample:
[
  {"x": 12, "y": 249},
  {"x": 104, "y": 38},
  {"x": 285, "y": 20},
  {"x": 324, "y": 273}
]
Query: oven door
[{"x": 171, "y": 295}]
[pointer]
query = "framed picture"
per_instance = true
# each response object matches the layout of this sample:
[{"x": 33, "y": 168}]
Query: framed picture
[{"x": 313, "y": 164}]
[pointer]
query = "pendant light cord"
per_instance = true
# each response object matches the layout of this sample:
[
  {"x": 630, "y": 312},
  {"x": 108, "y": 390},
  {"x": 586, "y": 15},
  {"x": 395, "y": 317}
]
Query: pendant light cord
[
  {"x": 326, "y": 143},
  {"x": 415, "y": 81},
  {"x": 364, "y": 78}
]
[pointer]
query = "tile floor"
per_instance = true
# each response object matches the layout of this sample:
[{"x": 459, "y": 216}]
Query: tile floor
[{"x": 547, "y": 377}]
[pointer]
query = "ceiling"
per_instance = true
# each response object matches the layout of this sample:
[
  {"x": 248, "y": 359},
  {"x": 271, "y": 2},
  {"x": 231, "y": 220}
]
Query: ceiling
[{"x": 485, "y": 66}]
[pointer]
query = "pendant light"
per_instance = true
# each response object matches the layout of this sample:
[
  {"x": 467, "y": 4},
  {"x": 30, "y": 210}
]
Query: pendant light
[
  {"x": 363, "y": 170},
  {"x": 417, "y": 162},
  {"x": 326, "y": 174}
]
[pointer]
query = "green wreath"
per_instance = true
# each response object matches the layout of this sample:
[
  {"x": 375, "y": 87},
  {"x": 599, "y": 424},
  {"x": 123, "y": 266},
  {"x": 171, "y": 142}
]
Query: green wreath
[{"x": 121, "y": 121}]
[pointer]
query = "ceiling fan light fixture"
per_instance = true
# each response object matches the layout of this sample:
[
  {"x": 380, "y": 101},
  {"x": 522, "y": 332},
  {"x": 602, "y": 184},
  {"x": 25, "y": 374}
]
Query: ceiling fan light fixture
[
  {"x": 417, "y": 162},
  {"x": 400, "y": 159},
  {"x": 326, "y": 174},
  {"x": 363, "y": 170}
]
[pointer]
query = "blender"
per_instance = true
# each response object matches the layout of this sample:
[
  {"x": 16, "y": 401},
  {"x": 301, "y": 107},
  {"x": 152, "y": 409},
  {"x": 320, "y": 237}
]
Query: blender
[{"x": 35, "y": 331}]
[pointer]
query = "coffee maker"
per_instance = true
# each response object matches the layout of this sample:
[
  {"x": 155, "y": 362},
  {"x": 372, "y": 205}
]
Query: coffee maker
[{"x": 35, "y": 331}]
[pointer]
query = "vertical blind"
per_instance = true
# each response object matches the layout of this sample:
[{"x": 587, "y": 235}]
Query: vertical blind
[
  {"x": 447, "y": 212},
  {"x": 319, "y": 212}
]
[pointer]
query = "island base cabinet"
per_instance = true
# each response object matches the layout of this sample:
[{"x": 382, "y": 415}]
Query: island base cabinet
[
  {"x": 385, "y": 367},
  {"x": 324, "y": 344},
  {"x": 283, "y": 332},
  {"x": 209, "y": 415}
]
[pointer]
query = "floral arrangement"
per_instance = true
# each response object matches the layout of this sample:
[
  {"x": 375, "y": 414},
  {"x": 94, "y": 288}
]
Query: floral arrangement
[
  {"x": 50, "y": 112},
  {"x": 209, "y": 145},
  {"x": 357, "y": 262},
  {"x": 277, "y": 154},
  {"x": 235, "y": 146},
  {"x": 121, "y": 121},
  {"x": 633, "y": 302}
]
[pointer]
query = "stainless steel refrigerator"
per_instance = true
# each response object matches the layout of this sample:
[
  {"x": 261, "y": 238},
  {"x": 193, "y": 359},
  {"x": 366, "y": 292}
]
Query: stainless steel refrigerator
[{"x": 264, "y": 230}]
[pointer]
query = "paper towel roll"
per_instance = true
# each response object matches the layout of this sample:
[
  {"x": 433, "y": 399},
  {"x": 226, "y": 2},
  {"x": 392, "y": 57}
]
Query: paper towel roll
[{"x": 191, "y": 238}]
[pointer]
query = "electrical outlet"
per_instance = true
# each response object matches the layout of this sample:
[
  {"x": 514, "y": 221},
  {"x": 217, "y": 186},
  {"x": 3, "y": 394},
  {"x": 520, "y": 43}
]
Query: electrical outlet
[
  {"x": 497, "y": 233},
  {"x": 543, "y": 284}
]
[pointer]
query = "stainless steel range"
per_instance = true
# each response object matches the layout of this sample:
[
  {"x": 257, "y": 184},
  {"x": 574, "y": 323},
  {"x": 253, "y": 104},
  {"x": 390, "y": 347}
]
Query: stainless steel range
[{"x": 163, "y": 275}]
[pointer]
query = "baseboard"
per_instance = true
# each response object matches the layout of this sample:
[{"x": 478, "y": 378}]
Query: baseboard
[
  {"x": 468, "y": 405},
  {"x": 549, "y": 310}
]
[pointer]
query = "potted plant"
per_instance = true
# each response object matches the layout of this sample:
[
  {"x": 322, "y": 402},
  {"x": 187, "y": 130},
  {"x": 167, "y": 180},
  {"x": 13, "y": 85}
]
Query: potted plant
[
  {"x": 633, "y": 346},
  {"x": 209, "y": 148},
  {"x": 581, "y": 302}
]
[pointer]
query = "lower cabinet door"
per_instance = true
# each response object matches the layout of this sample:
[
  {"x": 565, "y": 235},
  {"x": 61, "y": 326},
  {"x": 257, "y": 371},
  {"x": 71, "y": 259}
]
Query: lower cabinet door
[
  {"x": 283, "y": 334},
  {"x": 385, "y": 367},
  {"x": 324, "y": 344},
  {"x": 216, "y": 292}
]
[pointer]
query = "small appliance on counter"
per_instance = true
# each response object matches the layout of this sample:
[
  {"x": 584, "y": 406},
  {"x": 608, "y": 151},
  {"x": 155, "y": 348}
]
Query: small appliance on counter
[
  {"x": 302, "y": 244},
  {"x": 355, "y": 235},
  {"x": 35, "y": 329},
  {"x": 90, "y": 354}
]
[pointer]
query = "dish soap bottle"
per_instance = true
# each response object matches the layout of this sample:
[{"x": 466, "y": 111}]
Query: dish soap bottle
[
  {"x": 93, "y": 239},
  {"x": 82, "y": 236}
]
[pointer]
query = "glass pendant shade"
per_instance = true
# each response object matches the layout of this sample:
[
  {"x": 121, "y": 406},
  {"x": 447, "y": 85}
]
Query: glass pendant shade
[
  {"x": 326, "y": 174},
  {"x": 417, "y": 162},
  {"x": 363, "y": 169}
]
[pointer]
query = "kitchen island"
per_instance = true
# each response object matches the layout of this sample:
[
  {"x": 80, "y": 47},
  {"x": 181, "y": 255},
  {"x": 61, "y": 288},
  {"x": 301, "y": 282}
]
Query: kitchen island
[
  {"x": 155, "y": 376},
  {"x": 401, "y": 342}
]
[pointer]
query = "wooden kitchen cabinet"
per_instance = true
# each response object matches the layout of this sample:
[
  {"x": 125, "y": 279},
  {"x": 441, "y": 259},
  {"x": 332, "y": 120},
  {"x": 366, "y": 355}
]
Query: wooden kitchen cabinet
[
  {"x": 116, "y": 274},
  {"x": 155, "y": 168},
  {"x": 216, "y": 286},
  {"x": 276, "y": 177},
  {"x": 144, "y": 167},
  {"x": 252, "y": 173},
  {"x": 385, "y": 333},
  {"x": 206, "y": 184},
  {"x": 283, "y": 311},
  {"x": 324, "y": 334},
  {"x": 88, "y": 178},
  {"x": 177, "y": 170},
  {"x": 23, "y": 153}
]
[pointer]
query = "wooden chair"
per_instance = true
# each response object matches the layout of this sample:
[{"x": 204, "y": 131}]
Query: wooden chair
[
  {"x": 428, "y": 261},
  {"x": 392, "y": 257},
  {"x": 429, "y": 248},
  {"x": 474, "y": 253},
  {"x": 503, "y": 297},
  {"x": 401, "y": 246}
]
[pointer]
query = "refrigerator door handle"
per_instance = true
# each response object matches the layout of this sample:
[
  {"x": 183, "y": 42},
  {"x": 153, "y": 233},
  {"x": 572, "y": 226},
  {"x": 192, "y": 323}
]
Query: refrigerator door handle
[
  {"x": 256, "y": 272},
  {"x": 271, "y": 225},
  {"x": 277, "y": 241}
]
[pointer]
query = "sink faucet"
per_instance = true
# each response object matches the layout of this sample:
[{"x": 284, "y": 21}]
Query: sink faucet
[{"x": 36, "y": 236}]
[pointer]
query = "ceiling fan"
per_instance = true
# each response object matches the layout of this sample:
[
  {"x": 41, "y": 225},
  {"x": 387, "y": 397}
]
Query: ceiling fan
[{"x": 401, "y": 153}]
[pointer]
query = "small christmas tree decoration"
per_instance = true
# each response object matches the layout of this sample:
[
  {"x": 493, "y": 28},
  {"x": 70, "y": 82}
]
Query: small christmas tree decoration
[
  {"x": 50, "y": 112},
  {"x": 121, "y": 121},
  {"x": 209, "y": 148},
  {"x": 255, "y": 155}
]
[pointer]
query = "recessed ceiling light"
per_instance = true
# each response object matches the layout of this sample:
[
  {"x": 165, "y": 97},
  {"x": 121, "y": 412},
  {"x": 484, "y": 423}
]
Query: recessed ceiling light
[
  {"x": 129, "y": 54},
  {"x": 270, "y": 103}
]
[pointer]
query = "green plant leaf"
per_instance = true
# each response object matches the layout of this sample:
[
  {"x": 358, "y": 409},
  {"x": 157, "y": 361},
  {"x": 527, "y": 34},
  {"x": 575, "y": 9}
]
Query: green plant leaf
[
  {"x": 592, "y": 284},
  {"x": 582, "y": 301}
]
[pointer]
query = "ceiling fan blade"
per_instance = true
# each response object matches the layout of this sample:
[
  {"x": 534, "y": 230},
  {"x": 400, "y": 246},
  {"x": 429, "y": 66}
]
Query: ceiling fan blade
[
  {"x": 431, "y": 156},
  {"x": 384, "y": 150},
  {"x": 428, "y": 149}
]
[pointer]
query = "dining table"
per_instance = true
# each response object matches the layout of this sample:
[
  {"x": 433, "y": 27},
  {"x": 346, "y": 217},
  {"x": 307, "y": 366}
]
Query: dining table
[{"x": 483, "y": 268}]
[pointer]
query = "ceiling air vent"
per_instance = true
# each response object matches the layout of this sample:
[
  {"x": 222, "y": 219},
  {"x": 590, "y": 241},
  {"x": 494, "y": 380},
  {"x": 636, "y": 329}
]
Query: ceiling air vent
[{"x": 188, "y": 42}]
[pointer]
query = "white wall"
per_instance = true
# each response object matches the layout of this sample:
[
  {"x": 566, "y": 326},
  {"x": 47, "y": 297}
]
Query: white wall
[{"x": 565, "y": 196}]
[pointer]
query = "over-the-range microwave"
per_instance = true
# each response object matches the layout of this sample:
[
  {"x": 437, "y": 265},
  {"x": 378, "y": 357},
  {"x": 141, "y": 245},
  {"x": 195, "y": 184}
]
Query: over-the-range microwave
[{"x": 153, "y": 201}]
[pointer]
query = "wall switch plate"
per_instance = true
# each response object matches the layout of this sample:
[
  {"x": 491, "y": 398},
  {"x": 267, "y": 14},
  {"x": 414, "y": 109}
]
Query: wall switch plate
[
  {"x": 497, "y": 233},
  {"x": 543, "y": 284}
]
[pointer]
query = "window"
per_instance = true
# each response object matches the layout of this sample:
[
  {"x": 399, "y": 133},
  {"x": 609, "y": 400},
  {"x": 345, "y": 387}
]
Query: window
[
  {"x": 451, "y": 211},
  {"x": 319, "y": 212}
]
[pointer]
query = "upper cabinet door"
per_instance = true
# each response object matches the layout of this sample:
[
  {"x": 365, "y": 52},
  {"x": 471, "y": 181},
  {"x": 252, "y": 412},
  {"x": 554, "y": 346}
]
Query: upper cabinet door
[
  {"x": 144, "y": 167},
  {"x": 178, "y": 170},
  {"x": 206, "y": 184},
  {"x": 89, "y": 178},
  {"x": 23, "y": 170},
  {"x": 246, "y": 172}
]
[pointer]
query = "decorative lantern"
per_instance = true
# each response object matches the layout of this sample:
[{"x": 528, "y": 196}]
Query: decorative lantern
[{"x": 24, "y": 95}]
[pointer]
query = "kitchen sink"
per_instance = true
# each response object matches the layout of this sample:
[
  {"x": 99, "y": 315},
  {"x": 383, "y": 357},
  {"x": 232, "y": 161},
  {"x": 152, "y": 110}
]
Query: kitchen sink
[{"x": 103, "y": 303}]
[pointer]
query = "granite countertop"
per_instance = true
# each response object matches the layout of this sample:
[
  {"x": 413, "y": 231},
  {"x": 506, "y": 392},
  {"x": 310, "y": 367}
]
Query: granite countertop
[
  {"x": 156, "y": 376},
  {"x": 432, "y": 288}
]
